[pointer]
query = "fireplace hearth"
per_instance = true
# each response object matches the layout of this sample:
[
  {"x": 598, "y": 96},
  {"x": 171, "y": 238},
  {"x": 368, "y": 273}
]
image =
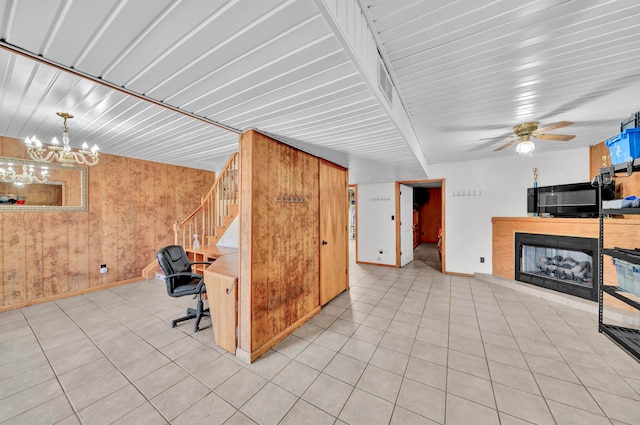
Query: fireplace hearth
[{"x": 562, "y": 263}]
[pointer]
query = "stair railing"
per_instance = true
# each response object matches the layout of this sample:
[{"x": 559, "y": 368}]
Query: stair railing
[{"x": 208, "y": 219}]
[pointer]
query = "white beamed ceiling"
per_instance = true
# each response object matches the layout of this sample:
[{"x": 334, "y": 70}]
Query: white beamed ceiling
[
  {"x": 473, "y": 69},
  {"x": 464, "y": 70}
]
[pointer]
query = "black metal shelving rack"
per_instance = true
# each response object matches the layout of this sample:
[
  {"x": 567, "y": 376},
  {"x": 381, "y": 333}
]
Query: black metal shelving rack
[{"x": 628, "y": 338}]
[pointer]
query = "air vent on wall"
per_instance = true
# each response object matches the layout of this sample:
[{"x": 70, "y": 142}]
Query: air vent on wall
[{"x": 384, "y": 82}]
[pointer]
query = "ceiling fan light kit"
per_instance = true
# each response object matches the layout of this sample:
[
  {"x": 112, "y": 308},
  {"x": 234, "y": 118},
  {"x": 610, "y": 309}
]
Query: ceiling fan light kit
[
  {"x": 525, "y": 131},
  {"x": 525, "y": 147}
]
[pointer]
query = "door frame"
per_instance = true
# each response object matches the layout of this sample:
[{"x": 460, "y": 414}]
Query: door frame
[{"x": 443, "y": 262}]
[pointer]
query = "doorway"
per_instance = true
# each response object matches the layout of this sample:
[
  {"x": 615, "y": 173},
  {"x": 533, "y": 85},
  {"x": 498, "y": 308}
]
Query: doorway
[
  {"x": 353, "y": 191},
  {"x": 425, "y": 233}
]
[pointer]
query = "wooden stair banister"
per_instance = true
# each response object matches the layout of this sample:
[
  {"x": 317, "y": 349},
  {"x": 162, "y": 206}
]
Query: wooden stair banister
[{"x": 216, "y": 210}]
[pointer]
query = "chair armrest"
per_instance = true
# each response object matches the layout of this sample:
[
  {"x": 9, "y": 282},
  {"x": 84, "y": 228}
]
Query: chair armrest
[
  {"x": 200, "y": 284},
  {"x": 202, "y": 262}
]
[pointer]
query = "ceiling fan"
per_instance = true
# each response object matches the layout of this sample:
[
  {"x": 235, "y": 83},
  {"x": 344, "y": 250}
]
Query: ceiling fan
[{"x": 525, "y": 131}]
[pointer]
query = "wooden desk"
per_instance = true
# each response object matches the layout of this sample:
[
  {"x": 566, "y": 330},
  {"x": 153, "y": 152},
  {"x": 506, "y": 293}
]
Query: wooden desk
[
  {"x": 207, "y": 253},
  {"x": 221, "y": 279}
]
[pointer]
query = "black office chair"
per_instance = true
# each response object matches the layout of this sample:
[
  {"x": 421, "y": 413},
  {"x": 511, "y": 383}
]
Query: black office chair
[{"x": 181, "y": 281}]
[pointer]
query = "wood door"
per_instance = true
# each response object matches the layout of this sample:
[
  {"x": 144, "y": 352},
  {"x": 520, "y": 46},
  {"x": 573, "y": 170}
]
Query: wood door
[{"x": 333, "y": 231}]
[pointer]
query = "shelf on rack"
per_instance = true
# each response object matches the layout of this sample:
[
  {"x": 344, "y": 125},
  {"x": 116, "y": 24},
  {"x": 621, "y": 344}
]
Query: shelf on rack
[
  {"x": 628, "y": 338},
  {"x": 623, "y": 254},
  {"x": 622, "y": 295},
  {"x": 620, "y": 211},
  {"x": 623, "y": 166}
]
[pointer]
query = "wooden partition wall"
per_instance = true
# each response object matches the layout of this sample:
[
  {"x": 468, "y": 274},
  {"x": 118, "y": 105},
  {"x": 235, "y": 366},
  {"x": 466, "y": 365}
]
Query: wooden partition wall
[
  {"x": 279, "y": 242},
  {"x": 132, "y": 207}
]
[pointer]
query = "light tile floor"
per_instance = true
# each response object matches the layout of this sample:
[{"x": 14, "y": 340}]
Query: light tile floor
[{"x": 403, "y": 346}]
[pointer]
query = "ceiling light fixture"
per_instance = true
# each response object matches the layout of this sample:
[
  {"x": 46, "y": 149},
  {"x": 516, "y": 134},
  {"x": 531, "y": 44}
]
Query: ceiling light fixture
[
  {"x": 62, "y": 154},
  {"x": 28, "y": 175},
  {"x": 525, "y": 146}
]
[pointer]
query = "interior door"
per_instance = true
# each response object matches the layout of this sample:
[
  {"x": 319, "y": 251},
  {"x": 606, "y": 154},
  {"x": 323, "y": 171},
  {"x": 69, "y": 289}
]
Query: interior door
[
  {"x": 406, "y": 225},
  {"x": 333, "y": 231}
]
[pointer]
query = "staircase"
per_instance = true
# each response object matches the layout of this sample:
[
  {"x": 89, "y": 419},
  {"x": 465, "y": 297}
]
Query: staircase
[{"x": 217, "y": 210}]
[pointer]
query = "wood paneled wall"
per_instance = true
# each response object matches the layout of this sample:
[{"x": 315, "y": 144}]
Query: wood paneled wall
[
  {"x": 132, "y": 207},
  {"x": 625, "y": 186},
  {"x": 279, "y": 246}
]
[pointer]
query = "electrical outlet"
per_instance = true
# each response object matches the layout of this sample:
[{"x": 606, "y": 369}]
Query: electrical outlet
[{"x": 482, "y": 259}]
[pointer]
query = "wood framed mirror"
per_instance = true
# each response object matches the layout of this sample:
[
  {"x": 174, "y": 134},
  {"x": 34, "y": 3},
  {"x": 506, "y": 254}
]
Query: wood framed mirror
[{"x": 64, "y": 190}]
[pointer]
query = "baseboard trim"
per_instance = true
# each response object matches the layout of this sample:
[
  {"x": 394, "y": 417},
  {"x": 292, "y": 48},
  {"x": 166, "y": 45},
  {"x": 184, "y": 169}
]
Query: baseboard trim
[
  {"x": 366, "y": 263},
  {"x": 460, "y": 274},
  {"x": 69, "y": 294},
  {"x": 255, "y": 354}
]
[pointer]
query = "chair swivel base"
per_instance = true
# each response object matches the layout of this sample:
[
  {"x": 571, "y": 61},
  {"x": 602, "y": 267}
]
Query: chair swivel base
[{"x": 192, "y": 314}]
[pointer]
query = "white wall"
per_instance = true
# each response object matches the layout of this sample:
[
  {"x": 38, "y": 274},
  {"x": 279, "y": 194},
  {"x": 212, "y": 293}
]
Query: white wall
[
  {"x": 500, "y": 186},
  {"x": 503, "y": 183},
  {"x": 376, "y": 230},
  {"x": 232, "y": 235}
]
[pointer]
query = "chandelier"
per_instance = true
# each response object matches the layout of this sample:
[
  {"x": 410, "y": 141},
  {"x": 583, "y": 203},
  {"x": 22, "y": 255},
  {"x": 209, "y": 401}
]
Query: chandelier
[
  {"x": 28, "y": 175},
  {"x": 62, "y": 154}
]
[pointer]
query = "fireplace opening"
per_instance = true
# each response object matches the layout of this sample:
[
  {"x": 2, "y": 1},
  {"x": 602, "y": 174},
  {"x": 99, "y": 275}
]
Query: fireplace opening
[{"x": 562, "y": 263}]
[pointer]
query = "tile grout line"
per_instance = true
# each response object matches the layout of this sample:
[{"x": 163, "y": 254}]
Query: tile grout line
[
  {"x": 73, "y": 409},
  {"x": 115, "y": 365},
  {"x": 529, "y": 366},
  {"x": 172, "y": 361}
]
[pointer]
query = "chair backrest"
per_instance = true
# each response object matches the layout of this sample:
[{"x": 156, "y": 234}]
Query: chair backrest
[{"x": 173, "y": 259}]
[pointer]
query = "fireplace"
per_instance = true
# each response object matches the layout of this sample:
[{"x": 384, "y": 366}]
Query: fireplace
[{"x": 563, "y": 263}]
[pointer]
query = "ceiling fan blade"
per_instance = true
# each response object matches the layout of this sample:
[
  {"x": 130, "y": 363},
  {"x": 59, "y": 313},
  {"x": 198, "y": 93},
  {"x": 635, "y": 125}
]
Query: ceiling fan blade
[
  {"x": 506, "y": 145},
  {"x": 563, "y": 137},
  {"x": 496, "y": 138},
  {"x": 552, "y": 127}
]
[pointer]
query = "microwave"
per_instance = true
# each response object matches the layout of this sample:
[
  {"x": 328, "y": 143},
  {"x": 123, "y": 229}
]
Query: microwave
[{"x": 568, "y": 200}]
